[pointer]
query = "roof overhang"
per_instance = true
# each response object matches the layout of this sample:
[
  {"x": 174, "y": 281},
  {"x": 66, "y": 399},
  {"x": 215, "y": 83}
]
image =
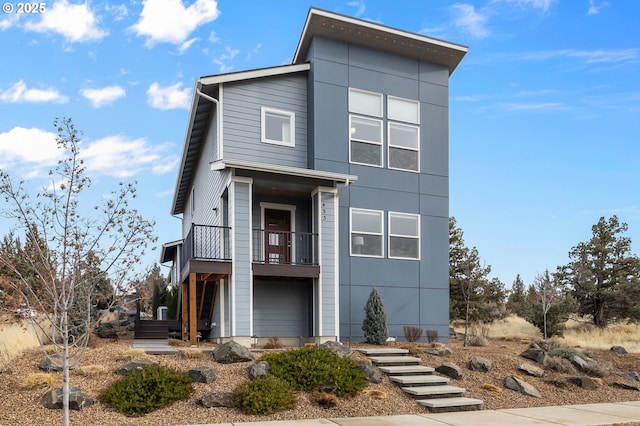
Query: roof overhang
[
  {"x": 169, "y": 251},
  {"x": 334, "y": 26},
  {"x": 283, "y": 170}
]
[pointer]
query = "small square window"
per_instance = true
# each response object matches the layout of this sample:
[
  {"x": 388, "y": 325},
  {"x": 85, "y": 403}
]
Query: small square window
[
  {"x": 366, "y": 237},
  {"x": 278, "y": 127}
]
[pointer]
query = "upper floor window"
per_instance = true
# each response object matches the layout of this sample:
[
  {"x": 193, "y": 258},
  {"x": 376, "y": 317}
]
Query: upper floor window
[
  {"x": 366, "y": 233},
  {"x": 405, "y": 110},
  {"x": 403, "y": 134},
  {"x": 404, "y": 235},
  {"x": 366, "y": 141},
  {"x": 367, "y": 103},
  {"x": 278, "y": 127}
]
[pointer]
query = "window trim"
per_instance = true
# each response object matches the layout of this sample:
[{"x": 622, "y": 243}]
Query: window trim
[
  {"x": 379, "y": 144},
  {"x": 417, "y": 237},
  {"x": 381, "y": 233},
  {"x": 395, "y": 146},
  {"x": 263, "y": 126}
]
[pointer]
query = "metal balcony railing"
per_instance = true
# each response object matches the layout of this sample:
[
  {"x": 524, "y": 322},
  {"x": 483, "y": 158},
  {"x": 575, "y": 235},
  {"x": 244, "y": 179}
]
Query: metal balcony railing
[
  {"x": 205, "y": 242},
  {"x": 279, "y": 247}
]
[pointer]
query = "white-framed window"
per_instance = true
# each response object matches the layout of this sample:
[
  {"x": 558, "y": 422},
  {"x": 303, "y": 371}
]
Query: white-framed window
[
  {"x": 365, "y": 103},
  {"x": 366, "y": 232},
  {"x": 400, "y": 109},
  {"x": 365, "y": 141},
  {"x": 278, "y": 127},
  {"x": 404, "y": 235},
  {"x": 404, "y": 147}
]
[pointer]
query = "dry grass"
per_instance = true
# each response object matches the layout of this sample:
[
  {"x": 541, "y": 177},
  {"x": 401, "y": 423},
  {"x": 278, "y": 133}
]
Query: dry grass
[
  {"x": 512, "y": 327},
  {"x": 190, "y": 353},
  {"x": 92, "y": 370},
  {"x": 39, "y": 381},
  {"x": 581, "y": 334},
  {"x": 15, "y": 338},
  {"x": 131, "y": 354}
]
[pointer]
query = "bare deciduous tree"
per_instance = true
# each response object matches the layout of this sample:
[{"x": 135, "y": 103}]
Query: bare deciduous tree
[{"x": 73, "y": 251}]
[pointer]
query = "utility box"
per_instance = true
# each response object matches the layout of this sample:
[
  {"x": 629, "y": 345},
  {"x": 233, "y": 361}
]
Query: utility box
[{"x": 161, "y": 313}]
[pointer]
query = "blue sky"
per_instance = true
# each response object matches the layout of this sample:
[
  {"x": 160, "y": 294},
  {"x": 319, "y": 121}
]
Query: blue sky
[{"x": 544, "y": 111}]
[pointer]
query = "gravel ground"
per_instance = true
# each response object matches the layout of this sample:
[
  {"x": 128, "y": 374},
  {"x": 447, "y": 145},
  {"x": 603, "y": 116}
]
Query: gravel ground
[{"x": 24, "y": 407}]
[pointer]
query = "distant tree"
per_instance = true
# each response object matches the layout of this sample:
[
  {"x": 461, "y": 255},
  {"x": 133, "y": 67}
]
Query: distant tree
[
  {"x": 556, "y": 314},
  {"x": 494, "y": 296},
  {"x": 548, "y": 293},
  {"x": 604, "y": 275},
  {"x": 517, "y": 299},
  {"x": 151, "y": 290},
  {"x": 74, "y": 253},
  {"x": 374, "y": 324}
]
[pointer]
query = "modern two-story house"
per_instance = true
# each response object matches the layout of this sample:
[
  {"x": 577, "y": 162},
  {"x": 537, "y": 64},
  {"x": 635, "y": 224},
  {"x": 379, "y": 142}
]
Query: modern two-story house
[{"x": 302, "y": 186}]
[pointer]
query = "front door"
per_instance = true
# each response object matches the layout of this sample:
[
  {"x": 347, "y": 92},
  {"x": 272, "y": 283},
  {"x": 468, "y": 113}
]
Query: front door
[{"x": 277, "y": 229}]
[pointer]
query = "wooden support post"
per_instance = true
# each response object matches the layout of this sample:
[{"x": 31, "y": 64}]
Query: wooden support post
[
  {"x": 185, "y": 310},
  {"x": 193, "y": 319}
]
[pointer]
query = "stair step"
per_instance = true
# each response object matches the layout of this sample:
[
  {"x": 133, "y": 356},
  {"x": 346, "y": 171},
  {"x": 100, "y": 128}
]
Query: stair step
[
  {"x": 426, "y": 380},
  {"x": 441, "y": 405},
  {"x": 394, "y": 360},
  {"x": 422, "y": 391},
  {"x": 384, "y": 351},
  {"x": 402, "y": 370}
]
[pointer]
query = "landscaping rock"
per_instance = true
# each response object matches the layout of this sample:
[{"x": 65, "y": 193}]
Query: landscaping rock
[
  {"x": 77, "y": 399},
  {"x": 217, "y": 399},
  {"x": 338, "y": 348},
  {"x": 443, "y": 351},
  {"x": 580, "y": 363},
  {"x": 519, "y": 385},
  {"x": 530, "y": 370},
  {"x": 534, "y": 354},
  {"x": 127, "y": 369},
  {"x": 452, "y": 333},
  {"x": 51, "y": 363},
  {"x": 450, "y": 369},
  {"x": 371, "y": 373},
  {"x": 620, "y": 350},
  {"x": 105, "y": 331},
  {"x": 480, "y": 364},
  {"x": 632, "y": 375},
  {"x": 545, "y": 345},
  {"x": 626, "y": 386},
  {"x": 260, "y": 368},
  {"x": 203, "y": 374},
  {"x": 232, "y": 352},
  {"x": 584, "y": 382}
]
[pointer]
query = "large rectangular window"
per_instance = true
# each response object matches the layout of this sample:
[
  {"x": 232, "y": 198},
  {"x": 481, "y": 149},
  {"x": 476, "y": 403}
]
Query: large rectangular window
[
  {"x": 278, "y": 127},
  {"x": 366, "y": 233},
  {"x": 403, "y": 134},
  {"x": 404, "y": 236},
  {"x": 366, "y": 141},
  {"x": 366, "y": 103}
]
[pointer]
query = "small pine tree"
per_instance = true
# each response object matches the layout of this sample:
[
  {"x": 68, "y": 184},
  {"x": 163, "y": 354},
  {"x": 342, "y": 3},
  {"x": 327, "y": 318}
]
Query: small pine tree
[{"x": 375, "y": 319}]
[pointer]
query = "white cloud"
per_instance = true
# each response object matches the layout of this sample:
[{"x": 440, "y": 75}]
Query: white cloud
[
  {"x": 594, "y": 9},
  {"x": 471, "y": 21},
  {"x": 544, "y": 5},
  {"x": 186, "y": 45},
  {"x": 358, "y": 4},
  {"x": 104, "y": 96},
  {"x": 119, "y": 11},
  {"x": 170, "y": 97},
  {"x": 597, "y": 56},
  {"x": 33, "y": 146},
  {"x": 223, "y": 60},
  {"x": 76, "y": 22},
  {"x": 19, "y": 92},
  {"x": 119, "y": 156},
  {"x": 171, "y": 22}
]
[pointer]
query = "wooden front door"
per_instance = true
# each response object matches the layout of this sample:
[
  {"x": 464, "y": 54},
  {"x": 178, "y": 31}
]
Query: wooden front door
[{"x": 277, "y": 229}]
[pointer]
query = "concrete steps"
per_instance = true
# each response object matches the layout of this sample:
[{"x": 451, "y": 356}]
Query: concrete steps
[{"x": 418, "y": 381}]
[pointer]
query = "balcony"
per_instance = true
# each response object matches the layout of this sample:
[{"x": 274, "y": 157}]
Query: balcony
[{"x": 289, "y": 248}]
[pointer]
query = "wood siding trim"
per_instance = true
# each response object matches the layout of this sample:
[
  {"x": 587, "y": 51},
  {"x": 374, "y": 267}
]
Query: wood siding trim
[{"x": 289, "y": 271}]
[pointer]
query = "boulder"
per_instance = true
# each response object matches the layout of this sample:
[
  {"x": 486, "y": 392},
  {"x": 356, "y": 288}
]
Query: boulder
[
  {"x": 127, "y": 369},
  {"x": 260, "y": 368},
  {"x": 545, "y": 345},
  {"x": 77, "y": 399},
  {"x": 105, "y": 331},
  {"x": 217, "y": 399},
  {"x": 450, "y": 369},
  {"x": 371, "y": 373},
  {"x": 632, "y": 375},
  {"x": 579, "y": 362},
  {"x": 534, "y": 354},
  {"x": 452, "y": 333},
  {"x": 480, "y": 364},
  {"x": 620, "y": 350},
  {"x": 519, "y": 385},
  {"x": 203, "y": 374},
  {"x": 232, "y": 352},
  {"x": 627, "y": 386},
  {"x": 51, "y": 363},
  {"x": 337, "y": 347},
  {"x": 584, "y": 382},
  {"x": 530, "y": 370},
  {"x": 442, "y": 351}
]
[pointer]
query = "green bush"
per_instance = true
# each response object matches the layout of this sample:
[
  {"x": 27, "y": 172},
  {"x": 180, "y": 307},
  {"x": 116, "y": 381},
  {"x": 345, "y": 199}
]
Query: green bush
[
  {"x": 374, "y": 324},
  {"x": 309, "y": 368},
  {"x": 146, "y": 390},
  {"x": 264, "y": 395},
  {"x": 566, "y": 352}
]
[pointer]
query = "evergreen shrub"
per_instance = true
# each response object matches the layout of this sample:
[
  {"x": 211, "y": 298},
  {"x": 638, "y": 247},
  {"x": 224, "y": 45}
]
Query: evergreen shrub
[
  {"x": 374, "y": 324},
  {"x": 264, "y": 395}
]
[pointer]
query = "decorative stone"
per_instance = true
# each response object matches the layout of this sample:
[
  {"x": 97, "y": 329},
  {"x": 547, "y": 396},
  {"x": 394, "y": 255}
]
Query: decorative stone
[
  {"x": 480, "y": 364},
  {"x": 530, "y": 370},
  {"x": 450, "y": 369},
  {"x": 217, "y": 399},
  {"x": 584, "y": 382},
  {"x": 620, "y": 350},
  {"x": 534, "y": 354},
  {"x": 442, "y": 351},
  {"x": 77, "y": 399},
  {"x": 51, "y": 363},
  {"x": 105, "y": 331},
  {"x": 203, "y": 374},
  {"x": 232, "y": 352},
  {"x": 260, "y": 368},
  {"x": 519, "y": 385},
  {"x": 580, "y": 363},
  {"x": 337, "y": 347},
  {"x": 371, "y": 373},
  {"x": 545, "y": 345},
  {"x": 452, "y": 332},
  {"x": 127, "y": 369},
  {"x": 632, "y": 375},
  {"x": 627, "y": 386}
]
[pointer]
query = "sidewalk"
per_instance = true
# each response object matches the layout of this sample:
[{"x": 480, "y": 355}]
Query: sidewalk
[{"x": 627, "y": 413}]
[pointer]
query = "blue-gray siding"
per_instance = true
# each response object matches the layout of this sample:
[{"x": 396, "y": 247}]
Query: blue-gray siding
[{"x": 241, "y": 240}]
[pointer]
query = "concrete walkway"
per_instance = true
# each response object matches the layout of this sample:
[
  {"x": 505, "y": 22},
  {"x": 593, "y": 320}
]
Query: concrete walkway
[{"x": 575, "y": 415}]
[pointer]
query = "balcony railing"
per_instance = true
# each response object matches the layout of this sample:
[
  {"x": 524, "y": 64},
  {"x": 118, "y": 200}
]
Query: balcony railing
[
  {"x": 279, "y": 247},
  {"x": 206, "y": 242}
]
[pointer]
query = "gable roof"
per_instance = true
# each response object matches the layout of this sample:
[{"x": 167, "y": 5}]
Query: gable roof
[{"x": 334, "y": 26}]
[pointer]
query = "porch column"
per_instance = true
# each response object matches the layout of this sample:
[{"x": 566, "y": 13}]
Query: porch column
[{"x": 193, "y": 319}]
